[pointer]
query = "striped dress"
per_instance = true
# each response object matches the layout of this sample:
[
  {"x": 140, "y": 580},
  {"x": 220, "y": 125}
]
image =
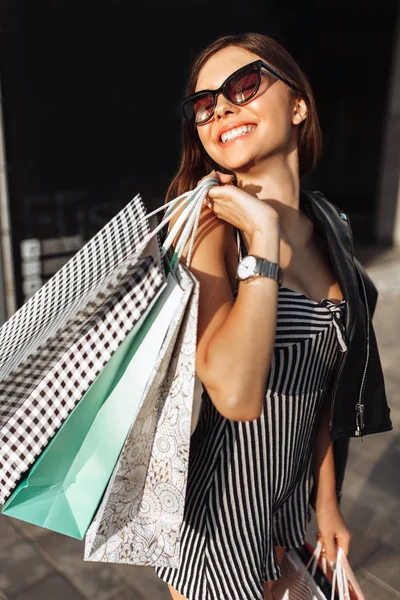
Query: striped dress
[{"x": 249, "y": 482}]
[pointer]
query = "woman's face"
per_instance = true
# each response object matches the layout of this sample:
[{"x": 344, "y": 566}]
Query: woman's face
[{"x": 267, "y": 122}]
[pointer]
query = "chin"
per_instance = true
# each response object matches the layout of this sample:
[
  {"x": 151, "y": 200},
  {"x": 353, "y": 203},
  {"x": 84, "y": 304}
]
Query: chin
[
  {"x": 243, "y": 161},
  {"x": 240, "y": 166},
  {"x": 234, "y": 161}
]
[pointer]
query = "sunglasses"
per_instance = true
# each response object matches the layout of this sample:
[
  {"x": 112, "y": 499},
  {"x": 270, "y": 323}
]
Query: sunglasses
[{"x": 238, "y": 88}]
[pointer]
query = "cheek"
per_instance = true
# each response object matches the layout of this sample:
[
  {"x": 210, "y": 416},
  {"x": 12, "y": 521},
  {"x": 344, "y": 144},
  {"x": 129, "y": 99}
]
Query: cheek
[
  {"x": 277, "y": 112},
  {"x": 204, "y": 134}
]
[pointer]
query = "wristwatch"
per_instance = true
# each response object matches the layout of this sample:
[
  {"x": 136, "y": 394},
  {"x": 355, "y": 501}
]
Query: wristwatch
[{"x": 252, "y": 266}]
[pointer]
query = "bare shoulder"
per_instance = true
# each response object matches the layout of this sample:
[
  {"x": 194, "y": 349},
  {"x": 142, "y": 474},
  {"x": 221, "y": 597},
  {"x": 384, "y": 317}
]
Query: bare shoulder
[{"x": 213, "y": 239}]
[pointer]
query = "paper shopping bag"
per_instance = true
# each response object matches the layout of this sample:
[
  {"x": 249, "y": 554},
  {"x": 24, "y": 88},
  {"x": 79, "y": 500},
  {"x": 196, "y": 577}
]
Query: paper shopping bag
[
  {"x": 302, "y": 577},
  {"x": 344, "y": 580},
  {"x": 140, "y": 517},
  {"x": 64, "y": 487},
  {"x": 56, "y": 344}
]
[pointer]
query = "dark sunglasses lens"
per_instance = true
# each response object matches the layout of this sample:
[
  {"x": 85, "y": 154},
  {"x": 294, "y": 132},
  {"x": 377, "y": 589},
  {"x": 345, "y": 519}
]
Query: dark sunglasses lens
[
  {"x": 243, "y": 85},
  {"x": 202, "y": 107}
]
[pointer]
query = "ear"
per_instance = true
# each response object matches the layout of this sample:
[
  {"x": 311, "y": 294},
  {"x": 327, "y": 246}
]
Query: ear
[{"x": 299, "y": 111}]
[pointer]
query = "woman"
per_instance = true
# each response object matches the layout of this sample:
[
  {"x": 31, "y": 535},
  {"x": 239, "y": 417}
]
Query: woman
[{"x": 285, "y": 347}]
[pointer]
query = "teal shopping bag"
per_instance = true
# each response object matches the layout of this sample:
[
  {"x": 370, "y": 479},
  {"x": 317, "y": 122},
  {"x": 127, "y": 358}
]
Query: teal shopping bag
[{"x": 64, "y": 487}]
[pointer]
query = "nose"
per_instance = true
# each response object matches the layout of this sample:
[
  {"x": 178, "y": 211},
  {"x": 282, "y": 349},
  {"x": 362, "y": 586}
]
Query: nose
[{"x": 223, "y": 106}]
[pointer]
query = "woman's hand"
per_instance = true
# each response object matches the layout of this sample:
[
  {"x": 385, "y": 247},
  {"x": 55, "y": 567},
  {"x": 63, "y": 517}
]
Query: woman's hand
[
  {"x": 333, "y": 531},
  {"x": 241, "y": 209}
]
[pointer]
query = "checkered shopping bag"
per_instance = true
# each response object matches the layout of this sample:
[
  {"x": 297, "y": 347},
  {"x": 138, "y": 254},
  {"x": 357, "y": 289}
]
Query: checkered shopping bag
[{"x": 56, "y": 344}]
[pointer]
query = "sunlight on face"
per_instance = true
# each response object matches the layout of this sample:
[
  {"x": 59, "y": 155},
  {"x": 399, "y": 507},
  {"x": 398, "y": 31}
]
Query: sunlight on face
[{"x": 238, "y": 136}]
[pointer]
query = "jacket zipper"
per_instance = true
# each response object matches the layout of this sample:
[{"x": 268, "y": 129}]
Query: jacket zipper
[
  {"x": 359, "y": 407},
  {"x": 360, "y": 423},
  {"x": 344, "y": 355}
]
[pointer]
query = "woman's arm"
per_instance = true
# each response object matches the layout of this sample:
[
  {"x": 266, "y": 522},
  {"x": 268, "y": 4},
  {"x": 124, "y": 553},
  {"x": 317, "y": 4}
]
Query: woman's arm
[
  {"x": 332, "y": 527},
  {"x": 235, "y": 338}
]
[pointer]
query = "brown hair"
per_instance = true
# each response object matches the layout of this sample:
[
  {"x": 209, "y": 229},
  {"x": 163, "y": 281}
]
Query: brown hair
[{"x": 195, "y": 162}]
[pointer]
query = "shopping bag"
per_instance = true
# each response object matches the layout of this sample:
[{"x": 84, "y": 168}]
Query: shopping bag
[
  {"x": 64, "y": 487},
  {"x": 140, "y": 517},
  {"x": 57, "y": 343},
  {"x": 174, "y": 267},
  {"x": 305, "y": 576},
  {"x": 302, "y": 578},
  {"x": 344, "y": 580},
  {"x": 339, "y": 584}
]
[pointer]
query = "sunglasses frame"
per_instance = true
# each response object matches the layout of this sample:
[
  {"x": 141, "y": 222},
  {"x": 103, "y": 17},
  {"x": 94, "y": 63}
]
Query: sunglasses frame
[{"x": 260, "y": 64}]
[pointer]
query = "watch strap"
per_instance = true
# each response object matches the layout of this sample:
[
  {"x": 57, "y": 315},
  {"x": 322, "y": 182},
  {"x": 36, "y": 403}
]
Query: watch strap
[
  {"x": 266, "y": 268},
  {"x": 263, "y": 268}
]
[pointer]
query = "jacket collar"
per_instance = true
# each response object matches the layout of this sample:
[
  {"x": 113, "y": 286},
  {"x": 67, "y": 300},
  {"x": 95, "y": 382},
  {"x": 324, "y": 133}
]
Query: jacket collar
[{"x": 334, "y": 226}]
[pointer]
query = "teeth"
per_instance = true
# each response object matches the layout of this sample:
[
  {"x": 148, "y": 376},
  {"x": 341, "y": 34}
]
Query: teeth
[{"x": 234, "y": 133}]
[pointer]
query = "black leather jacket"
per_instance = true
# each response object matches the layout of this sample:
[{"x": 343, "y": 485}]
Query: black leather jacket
[{"x": 357, "y": 389}]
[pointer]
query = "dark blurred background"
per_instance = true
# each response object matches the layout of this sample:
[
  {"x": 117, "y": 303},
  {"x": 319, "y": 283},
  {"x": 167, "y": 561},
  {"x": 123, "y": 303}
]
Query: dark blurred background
[{"x": 90, "y": 101}]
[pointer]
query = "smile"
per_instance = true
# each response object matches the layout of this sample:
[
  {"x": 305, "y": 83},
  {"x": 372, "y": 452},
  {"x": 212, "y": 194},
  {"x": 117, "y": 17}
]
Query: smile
[{"x": 235, "y": 133}]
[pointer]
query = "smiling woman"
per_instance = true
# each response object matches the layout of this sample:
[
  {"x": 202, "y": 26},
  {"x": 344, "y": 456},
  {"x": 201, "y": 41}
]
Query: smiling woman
[
  {"x": 278, "y": 66},
  {"x": 285, "y": 340}
]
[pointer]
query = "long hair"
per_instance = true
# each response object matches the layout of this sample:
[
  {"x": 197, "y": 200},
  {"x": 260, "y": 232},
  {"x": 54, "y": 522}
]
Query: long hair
[{"x": 195, "y": 162}]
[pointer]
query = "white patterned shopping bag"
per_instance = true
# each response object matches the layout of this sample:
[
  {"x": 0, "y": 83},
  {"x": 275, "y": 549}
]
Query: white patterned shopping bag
[
  {"x": 56, "y": 344},
  {"x": 301, "y": 577},
  {"x": 140, "y": 517}
]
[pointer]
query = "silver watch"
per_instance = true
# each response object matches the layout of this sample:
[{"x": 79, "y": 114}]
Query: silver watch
[{"x": 253, "y": 266}]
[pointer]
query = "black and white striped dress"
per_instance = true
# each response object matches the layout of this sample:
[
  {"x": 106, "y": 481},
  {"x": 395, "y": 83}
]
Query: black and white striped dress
[{"x": 249, "y": 482}]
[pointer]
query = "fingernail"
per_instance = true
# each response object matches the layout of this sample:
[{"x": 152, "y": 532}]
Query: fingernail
[{"x": 332, "y": 565}]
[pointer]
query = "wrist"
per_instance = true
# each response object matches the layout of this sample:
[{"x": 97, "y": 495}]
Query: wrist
[
  {"x": 265, "y": 243},
  {"x": 326, "y": 502},
  {"x": 265, "y": 226}
]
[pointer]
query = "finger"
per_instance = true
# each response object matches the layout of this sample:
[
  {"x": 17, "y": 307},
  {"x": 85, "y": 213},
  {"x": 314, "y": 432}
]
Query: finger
[
  {"x": 321, "y": 541},
  {"x": 209, "y": 203},
  {"x": 212, "y": 173},
  {"x": 344, "y": 542},
  {"x": 224, "y": 178},
  {"x": 330, "y": 546}
]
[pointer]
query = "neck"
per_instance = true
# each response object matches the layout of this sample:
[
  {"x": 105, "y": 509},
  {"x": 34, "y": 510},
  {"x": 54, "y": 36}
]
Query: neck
[{"x": 278, "y": 183}]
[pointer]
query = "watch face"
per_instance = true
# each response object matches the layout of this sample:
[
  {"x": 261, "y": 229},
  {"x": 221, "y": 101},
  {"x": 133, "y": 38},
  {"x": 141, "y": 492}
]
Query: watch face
[{"x": 246, "y": 267}]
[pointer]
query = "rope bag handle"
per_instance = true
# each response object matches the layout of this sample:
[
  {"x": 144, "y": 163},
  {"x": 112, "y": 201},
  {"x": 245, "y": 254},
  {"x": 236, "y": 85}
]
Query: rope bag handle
[{"x": 190, "y": 203}]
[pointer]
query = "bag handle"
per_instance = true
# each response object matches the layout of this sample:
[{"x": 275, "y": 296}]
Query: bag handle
[
  {"x": 342, "y": 576},
  {"x": 192, "y": 202},
  {"x": 312, "y": 563}
]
